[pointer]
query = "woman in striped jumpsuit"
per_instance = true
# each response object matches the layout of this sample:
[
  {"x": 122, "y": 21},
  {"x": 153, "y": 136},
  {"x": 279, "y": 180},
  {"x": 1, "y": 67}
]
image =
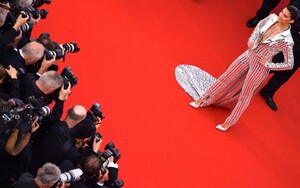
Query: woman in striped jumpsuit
[{"x": 270, "y": 36}]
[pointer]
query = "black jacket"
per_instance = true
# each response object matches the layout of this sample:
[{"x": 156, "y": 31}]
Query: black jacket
[{"x": 55, "y": 147}]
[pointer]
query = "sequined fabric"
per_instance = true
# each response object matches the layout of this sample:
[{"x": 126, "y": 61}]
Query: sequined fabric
[
  {"x": 193, "y": 80},
  {"x": 196, "y": 81}
]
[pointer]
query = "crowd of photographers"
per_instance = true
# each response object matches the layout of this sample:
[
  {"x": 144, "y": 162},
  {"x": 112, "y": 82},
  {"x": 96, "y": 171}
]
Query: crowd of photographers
[{"x": 39, "y": 148}]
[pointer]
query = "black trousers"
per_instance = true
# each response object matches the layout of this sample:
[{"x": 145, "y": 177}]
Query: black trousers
[
  {"x": 279, "y": 77},
  {"x": 267, "y": 6}
]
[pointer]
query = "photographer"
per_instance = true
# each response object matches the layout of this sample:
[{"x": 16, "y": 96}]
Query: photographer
[
  {"x": 16, "y": 154},
  {"x": 21, "y": 58},
  {"x": 46, "y": 177},
  {"x": 52, "y": 50},
  {"x": 95, "y": 175},
  {"x": 13, "y": 17},
  {"x": 9, "y": 83},
  {"x": 42, "y": 87},
  {"x": 53, "y": 117},
  {"x": 57, "y": 145},
  {"x": 6, "y": 37}
]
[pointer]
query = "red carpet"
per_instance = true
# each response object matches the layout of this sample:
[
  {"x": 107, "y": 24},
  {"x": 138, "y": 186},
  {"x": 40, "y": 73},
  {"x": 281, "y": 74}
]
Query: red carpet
[{"x": 129, "y": 50}]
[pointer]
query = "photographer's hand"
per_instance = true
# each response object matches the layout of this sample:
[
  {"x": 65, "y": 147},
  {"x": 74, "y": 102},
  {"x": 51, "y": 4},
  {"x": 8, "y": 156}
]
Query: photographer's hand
[
  {"x": 99, "y": 122},
  {"x": 17, "y": 39},
  {"x": 96, "y": 145},
  {"x": 103, "y": 177},
  {"x": 111, "y": 159},
  {"x": 64, "y": 93},
  {"x": 45, "y": 65},
  {"x": 20, "y": 21},
  {"x": 35, "y": 125},
  {"x": 35, "y": 21},
  {"x": 63, "y": 185},
  {"x": 12, "y": 72}
]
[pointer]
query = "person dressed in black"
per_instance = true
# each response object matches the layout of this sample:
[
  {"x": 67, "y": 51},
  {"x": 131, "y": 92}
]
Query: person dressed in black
[
  {"x": 9, "y": 83},
  {"x": 6, "y": 37},
  {"x": 46, "y": 84},
  {"x": 27, "y": 56},
  {"x": 264, "y": 11},
  {"x": 92, "y": 176},
  {"x": 46, "y": 177},
  {"x": 57, "y": 145},
  {"x": 279, "y": 77}
]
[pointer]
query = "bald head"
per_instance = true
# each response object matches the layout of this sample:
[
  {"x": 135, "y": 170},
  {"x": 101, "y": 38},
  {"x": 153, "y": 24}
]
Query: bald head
[
  {"x": 75, "y": 115},
  {"x": 32, "y": 51}
]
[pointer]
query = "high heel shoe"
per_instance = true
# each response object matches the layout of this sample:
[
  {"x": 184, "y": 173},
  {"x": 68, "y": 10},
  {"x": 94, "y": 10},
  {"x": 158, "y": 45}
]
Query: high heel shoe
[
  {"x": 219, "y": 127},
  {"x": 194, "y": 105}
]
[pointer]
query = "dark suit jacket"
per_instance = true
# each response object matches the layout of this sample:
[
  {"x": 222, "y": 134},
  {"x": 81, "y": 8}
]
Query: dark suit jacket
[
  {"x": 295, "y": 31},
  {"x": 52, "y": 147},
  {"x": 10, "y": 56}
]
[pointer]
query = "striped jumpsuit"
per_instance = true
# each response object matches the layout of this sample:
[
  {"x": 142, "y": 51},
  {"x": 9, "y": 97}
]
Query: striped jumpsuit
[{"x": 248, "y": 65}]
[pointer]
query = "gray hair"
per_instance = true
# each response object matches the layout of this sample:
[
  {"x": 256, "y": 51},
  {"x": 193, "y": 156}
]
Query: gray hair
[
  {"x": 24, "y": 3},
  {"x": 51, "y": 79},
  {"x": 33, "y": 50},
  {"x": 3, "y": 15},
  {"x": 48, "y": 174}
]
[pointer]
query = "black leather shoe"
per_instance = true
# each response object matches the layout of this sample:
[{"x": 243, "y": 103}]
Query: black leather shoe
[
  {"x": 253, "y": 22},
  {"x": 269, "y": 100}
]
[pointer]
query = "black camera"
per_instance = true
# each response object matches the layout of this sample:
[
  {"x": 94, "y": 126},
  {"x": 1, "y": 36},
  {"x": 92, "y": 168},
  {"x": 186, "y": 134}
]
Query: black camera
[
  {"x": 109, "y": 151},
  {"x": 26, "y": 27},
  {"x": 22, "y": 112},
  {"x": 98, "y": 136},
  {"x": 15, "y": 11},
  {"x": 53, "y": 48},
  {"x": 104, "y": 157},
  {"x": 69, "y": 76},
  {"x": 39, "y": 3},
  {"x": 16, "y": 114},
  {"x": 117, "y": 184},
  {"x": 34, "y": 12},
  {"x": 57, "y": 53},
  {"x": 90, "y": 142},
  {"x": 94, "y": 113},
  {"x": 71, "y": 47}
]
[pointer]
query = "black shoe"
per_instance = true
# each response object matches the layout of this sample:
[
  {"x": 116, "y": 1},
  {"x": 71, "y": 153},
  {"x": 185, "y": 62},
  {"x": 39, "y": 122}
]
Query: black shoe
[
  {"x": 253, "y": 22},
  {"x": 269, "y": 100}
]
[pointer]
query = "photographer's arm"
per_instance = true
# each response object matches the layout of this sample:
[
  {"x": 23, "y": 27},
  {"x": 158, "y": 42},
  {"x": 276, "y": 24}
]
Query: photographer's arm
[
  {"x": 45, "y": 65},
  {"x": 12, "y": 33},
  {"x": 20, "y": 21},
  {"x": 96, "y": 145},
  {"x": 14, "y": 88},
  {"x": 14, "y": 148},
  {"x": 113, "y": 171},
  {"x": 57, "y": 110},
  {"x": 102, "y": 177}
]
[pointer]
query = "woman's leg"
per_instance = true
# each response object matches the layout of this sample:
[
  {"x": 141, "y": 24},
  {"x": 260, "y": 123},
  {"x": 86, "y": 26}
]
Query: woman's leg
[
  {"x": 234, "y": 71},
  {"x": 256, "y": 75}
]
